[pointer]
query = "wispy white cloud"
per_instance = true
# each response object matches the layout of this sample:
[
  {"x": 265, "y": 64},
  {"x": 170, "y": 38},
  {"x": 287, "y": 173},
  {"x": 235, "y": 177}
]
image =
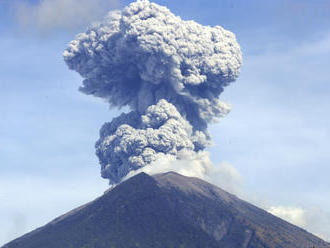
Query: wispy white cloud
[
  {"x": 227, "y": 177},
  {"x": 50, "y": 15},
  {"x": 293, "y": 215},
  {"x": 312, "y": 219}
]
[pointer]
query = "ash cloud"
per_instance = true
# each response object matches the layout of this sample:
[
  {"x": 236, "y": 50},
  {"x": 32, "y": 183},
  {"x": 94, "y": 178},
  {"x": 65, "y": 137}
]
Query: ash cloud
[
  {"x": 132, "y": 141},
  {"x": 168, "y": 71}
]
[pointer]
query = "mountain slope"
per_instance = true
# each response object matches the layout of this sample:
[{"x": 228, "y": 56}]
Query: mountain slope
[{"x": 167, "y": 210}]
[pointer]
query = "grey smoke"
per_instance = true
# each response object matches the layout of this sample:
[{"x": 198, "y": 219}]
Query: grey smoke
[
  {"x": 132, "y": 141},
  {"x": 168, "y": 71}
]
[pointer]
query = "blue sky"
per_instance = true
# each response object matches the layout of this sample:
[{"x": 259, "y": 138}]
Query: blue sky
[{"x": 277, "y": 135}]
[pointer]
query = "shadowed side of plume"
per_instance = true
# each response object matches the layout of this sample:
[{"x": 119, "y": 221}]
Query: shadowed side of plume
[{"x": 168, "y": 210}]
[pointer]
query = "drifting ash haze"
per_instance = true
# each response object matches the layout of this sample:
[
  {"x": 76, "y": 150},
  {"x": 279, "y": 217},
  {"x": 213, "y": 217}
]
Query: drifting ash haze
[{"x": 169, "y": 72}]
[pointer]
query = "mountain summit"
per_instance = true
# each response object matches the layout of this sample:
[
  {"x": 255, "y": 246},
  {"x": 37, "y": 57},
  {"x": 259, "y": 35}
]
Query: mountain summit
[{"x": 168, "y": 211}]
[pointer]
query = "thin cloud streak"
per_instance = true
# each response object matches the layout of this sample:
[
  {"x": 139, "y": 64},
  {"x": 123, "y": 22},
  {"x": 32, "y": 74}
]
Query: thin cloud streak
[{"x": 52, "y": 15}]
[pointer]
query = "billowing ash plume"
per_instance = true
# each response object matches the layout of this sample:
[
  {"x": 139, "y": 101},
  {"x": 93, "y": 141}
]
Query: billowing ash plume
[{"x": 169, "y": 72}]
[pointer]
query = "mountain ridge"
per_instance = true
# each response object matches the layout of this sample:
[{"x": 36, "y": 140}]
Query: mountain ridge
[{"x": 167, "y": 210}]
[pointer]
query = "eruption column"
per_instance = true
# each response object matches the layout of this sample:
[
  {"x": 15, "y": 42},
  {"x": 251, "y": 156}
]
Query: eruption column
[{"x": 168, "y": 71}]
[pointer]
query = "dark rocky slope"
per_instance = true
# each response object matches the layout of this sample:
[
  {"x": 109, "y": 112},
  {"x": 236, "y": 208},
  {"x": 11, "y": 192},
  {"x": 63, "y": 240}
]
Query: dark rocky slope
[{"x": 168, "y": 211}]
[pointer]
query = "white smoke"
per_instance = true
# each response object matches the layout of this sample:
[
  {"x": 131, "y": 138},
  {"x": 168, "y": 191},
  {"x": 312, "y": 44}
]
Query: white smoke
[
  {"x": 195, "y": 164},
  {"x": 187, "y": 163},
  {"x": 168, "y": 71}
]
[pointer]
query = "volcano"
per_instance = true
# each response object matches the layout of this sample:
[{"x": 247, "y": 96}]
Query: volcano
[{"x": 168, "y": 211}]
